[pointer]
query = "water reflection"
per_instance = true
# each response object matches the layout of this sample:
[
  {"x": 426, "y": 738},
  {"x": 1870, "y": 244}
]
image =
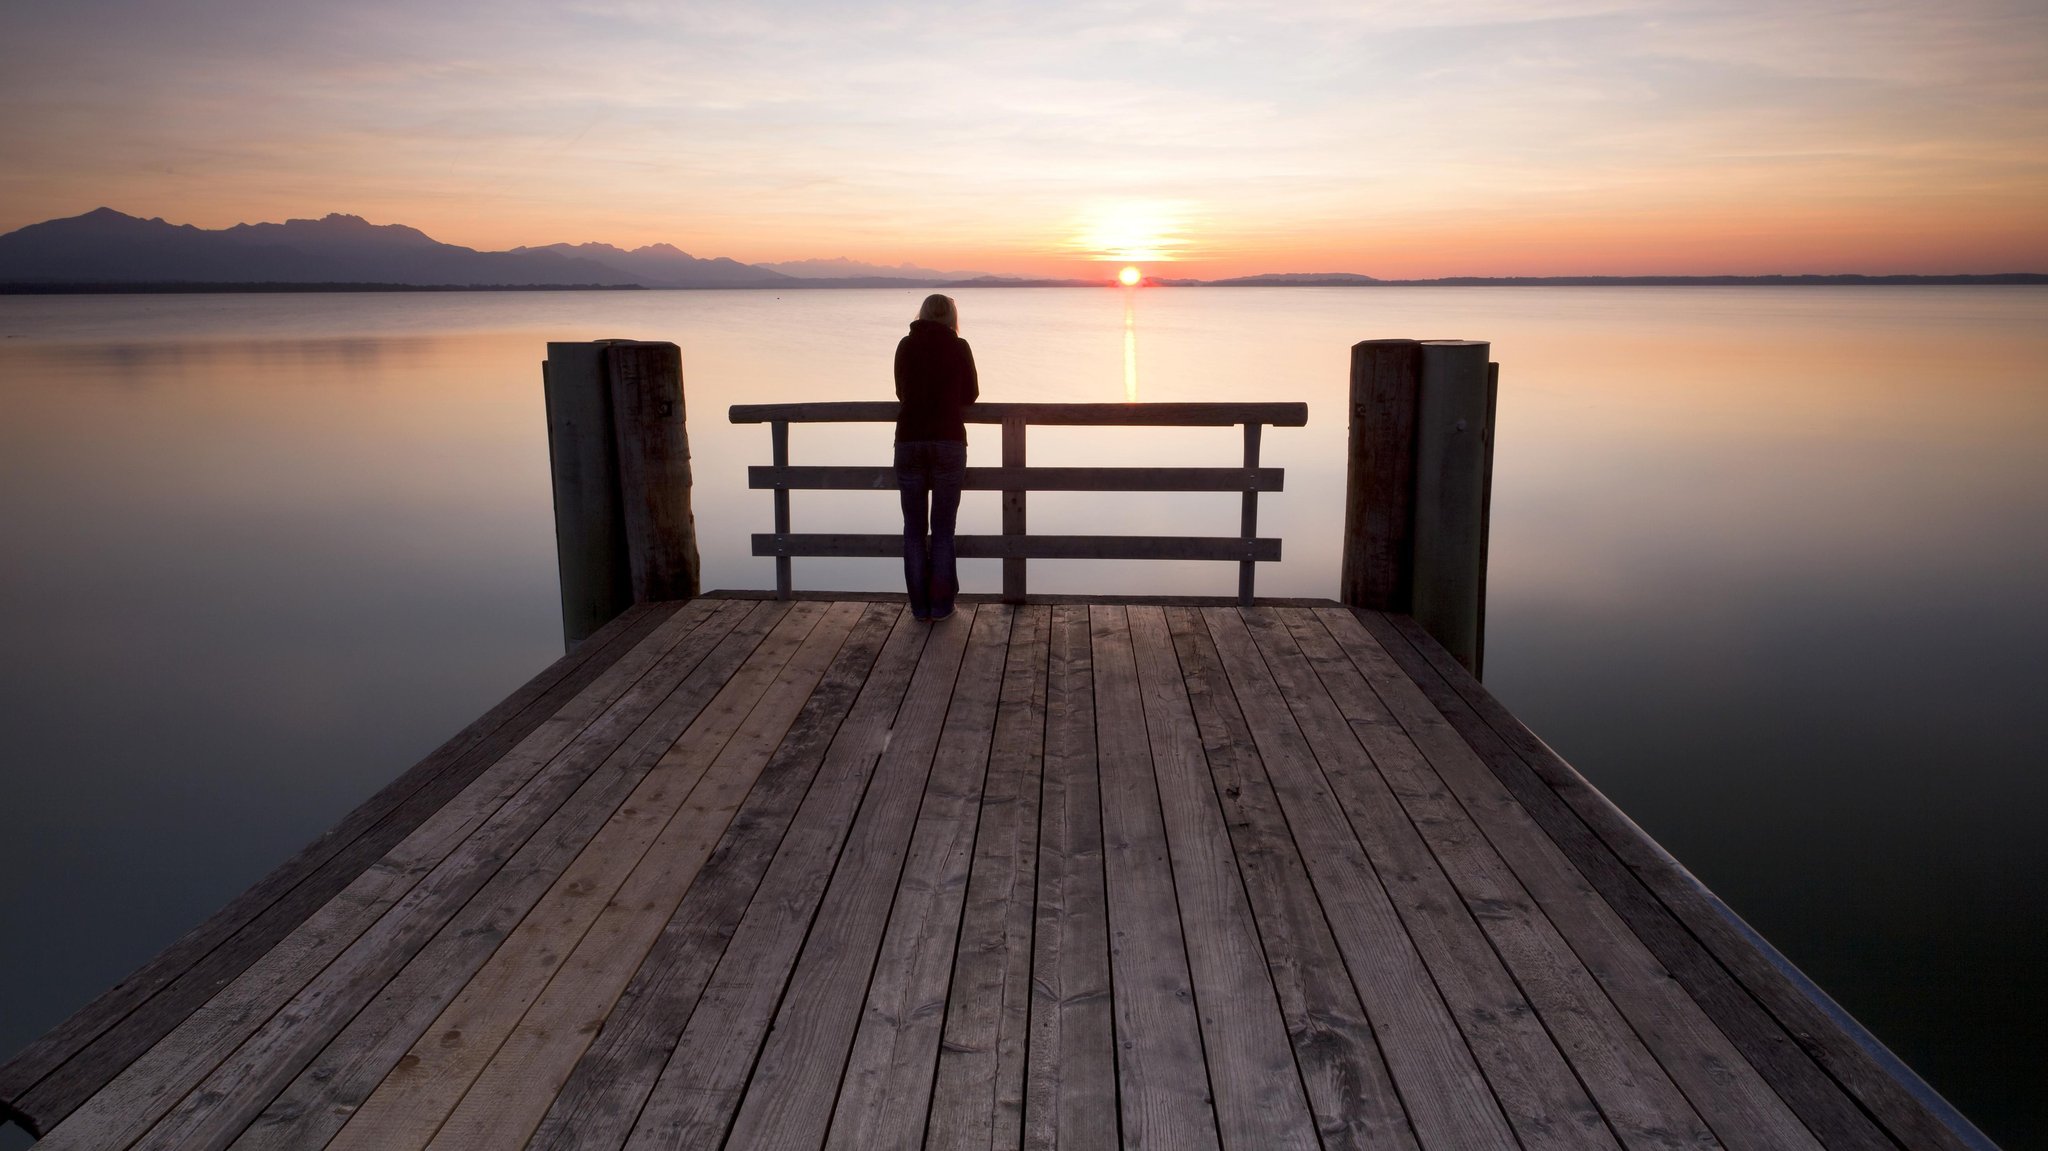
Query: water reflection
[
  {"x": 1766, "y": 565},
  {"x": 1130, "y": 347}
]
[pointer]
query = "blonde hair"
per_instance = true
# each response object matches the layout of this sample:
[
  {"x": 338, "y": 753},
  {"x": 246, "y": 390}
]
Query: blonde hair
[{"x": 942, "y": 309}]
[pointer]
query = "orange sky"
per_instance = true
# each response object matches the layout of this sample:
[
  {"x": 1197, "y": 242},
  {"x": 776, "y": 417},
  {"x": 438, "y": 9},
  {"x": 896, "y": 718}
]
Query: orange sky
[{"x": 1476, "y": 137}]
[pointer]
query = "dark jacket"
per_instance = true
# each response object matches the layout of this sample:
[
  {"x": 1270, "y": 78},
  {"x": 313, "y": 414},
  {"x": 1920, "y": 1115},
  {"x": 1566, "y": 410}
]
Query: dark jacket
[{"x": 935, "y": 379}]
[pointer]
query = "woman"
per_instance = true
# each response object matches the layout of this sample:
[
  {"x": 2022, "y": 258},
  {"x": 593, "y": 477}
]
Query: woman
[{"x": 935, "y": 380}]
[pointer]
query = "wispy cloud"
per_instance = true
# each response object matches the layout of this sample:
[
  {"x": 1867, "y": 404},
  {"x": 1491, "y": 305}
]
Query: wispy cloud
[{"x": 1389, "y": 137}]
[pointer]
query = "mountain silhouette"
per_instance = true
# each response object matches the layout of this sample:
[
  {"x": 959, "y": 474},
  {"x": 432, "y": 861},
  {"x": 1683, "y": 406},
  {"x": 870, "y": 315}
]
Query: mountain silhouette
[
  {"x": 841, "y": 268},
  {"x": 667, "y": 266},
  {"x": 109, "y": 247}
]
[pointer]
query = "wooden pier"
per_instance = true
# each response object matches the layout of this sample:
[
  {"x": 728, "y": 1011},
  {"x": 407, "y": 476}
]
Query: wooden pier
[
  {"x": 802, "y": 872},
  {"x": 749, "y": 873}
]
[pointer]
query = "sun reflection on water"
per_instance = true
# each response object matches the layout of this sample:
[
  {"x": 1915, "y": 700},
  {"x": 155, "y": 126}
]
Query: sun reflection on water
[{"x": 1130, "y": 351}]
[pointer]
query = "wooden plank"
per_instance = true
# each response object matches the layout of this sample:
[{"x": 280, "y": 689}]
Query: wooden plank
[
  {"x": 498, "y": 799},
  {"x": 788, "y": 1101},
  {"x": 978, "y": 1092},
  {"x": 1448, "y": 1100},
  {"x": 1349, "y": 1090},
  {"x": 513, "y": 1092},
  {"x": 1536, "y": 938},
  {"x": 1288, "y": 415},
  {"x": 390, "y": 1096},
  {"x": 728, "y": 1016},
  {"x": 1048, "y": 600},
  {"x": 106, "y": 1035},
  {"x": 374, "y": 998},
  {"x": 1910, "y": 1109},
  {"x": 884, "y": 1093},
  {"x": 1164, "y": 1089},
  {"x": 1258, "y": 1094},
  {"x": 1070, "y": 1077},
  {"x": 1030, "y": 479},
  {"x": 1786, "y": 1060},
  {"x": 878, "y": 546},
  {"x": 1530, "y": 1076}
]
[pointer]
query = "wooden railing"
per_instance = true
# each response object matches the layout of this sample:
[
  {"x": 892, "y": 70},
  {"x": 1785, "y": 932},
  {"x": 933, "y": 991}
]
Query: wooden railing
[{"x": 1014, "y": 546}]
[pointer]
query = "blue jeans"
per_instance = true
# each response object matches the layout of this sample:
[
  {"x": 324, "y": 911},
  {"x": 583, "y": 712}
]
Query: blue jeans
[{"x": 930, "y": 469}]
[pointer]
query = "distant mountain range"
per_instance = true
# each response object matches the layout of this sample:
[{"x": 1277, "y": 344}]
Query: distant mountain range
[{"x": 105, "y": 250}]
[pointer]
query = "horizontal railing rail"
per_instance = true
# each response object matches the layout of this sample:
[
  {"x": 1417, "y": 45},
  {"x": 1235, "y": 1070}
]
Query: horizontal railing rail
[
  {"x": 1179, "y": 415},
  {"x": 1014, "y": 478}
]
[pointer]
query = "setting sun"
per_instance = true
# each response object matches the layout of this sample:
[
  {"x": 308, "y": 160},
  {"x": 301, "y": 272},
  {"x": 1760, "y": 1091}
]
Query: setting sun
[{"x": 1129, "y": 277}]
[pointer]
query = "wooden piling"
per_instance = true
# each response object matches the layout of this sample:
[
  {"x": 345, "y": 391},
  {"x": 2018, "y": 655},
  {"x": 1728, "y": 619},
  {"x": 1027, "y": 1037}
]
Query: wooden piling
[
  {"x": 1418, "y": 491},
  {"x": 619, "y": 456}
]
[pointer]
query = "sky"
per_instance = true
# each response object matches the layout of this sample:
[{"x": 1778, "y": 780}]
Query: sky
[{"x": 1190, "y": 137}]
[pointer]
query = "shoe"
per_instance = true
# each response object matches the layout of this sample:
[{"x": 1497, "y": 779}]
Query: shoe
[{"x": 939, "y": 615}]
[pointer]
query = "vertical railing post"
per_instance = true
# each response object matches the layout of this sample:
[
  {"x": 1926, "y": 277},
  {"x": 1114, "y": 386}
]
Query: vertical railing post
[
  {"x": 1419, "y": 486},
  {"x": 619, "y": 459},
  {"x": 1247, "y": 569},
  {"x": 778, "y": 436},
  {"x": 1013, "y": 508}
]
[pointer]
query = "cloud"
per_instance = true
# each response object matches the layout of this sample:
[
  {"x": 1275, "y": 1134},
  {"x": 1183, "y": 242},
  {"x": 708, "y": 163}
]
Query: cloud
[{"x": 921, "y": 131}]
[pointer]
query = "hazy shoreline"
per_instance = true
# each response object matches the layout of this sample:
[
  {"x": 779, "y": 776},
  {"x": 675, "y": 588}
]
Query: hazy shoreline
[{"x": 2006, "y": 279}]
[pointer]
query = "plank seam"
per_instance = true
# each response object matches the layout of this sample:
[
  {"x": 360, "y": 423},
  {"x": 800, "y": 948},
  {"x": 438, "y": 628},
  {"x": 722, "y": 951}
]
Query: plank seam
[
  {"x": 1478, "y": 716},
  {"x": 511, "y": 850},
  {"x": 1237, "y": 876},
  {"x": 839, "y": 855},
  {"x": 1507, "y": 1116},
  {"x": 895, "y": 888},
  {"x": 1535, "y": 907},
  {"x": 571, "y": 947},
  {"x": 317, "y": 855},
  {"x": 1316, "y": 893}
]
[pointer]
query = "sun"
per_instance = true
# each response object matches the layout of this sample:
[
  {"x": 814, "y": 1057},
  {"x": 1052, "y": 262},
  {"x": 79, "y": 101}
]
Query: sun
[{"x": 1129, "y": 277}]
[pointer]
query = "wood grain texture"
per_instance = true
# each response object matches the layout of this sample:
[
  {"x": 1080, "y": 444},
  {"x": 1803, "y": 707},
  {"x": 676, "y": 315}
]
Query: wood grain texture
[
  {"x": 1265, "y": 549},
  {"x": 1528, "y": 1073},
  {"x": 50, "y": 1077},
  {"x": 513, "y": 1092},
  {"x": 1830, "y": 1112},
  {"x": 1641, "y": 1102},
  {"x": 1355, "y": 1104},
  {"x": 978, "y": 1091},
  {"x": 1908, "y": 1108},
  {"x": 775, "y": 875},
  {"x": 1290, "y": 415},
  {"x": 1449, "y": 1102},
  {"x": 158, "y": 1080},
  {"x": 1257, "y": 1090},
  {"x": 611, "y": 1082},
  {"x": 682, "y": 1061},
  {"x": 1030, "y": 479},
  {"x": 352, "y": 1021},
  {"x": 884, "y": 1092},
  {"x": 1070, "y": 1076},
  {"x": 653, "y": 442},
  {"x": 1164, "y": 1092},
  {"x": 1379, "y": 486},
  {"x": 645, "y": 856}
]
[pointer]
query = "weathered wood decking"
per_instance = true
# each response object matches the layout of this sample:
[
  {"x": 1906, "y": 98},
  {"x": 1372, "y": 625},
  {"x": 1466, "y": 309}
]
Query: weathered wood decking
[{"x": 755, "y": 874}]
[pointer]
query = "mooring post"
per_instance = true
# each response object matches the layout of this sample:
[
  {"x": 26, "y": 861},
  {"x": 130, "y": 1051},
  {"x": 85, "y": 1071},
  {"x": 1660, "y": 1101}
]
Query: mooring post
[
  {"x": 619, "y": 455},
  {"x": 1418, "y": 489}
]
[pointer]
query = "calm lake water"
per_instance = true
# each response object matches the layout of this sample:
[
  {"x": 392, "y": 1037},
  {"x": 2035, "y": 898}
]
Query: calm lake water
[{"x": 1768, "y": 566}]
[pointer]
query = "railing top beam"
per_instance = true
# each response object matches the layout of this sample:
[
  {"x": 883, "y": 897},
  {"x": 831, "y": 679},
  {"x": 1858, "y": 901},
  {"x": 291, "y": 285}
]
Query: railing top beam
[{"x": 1287, "y": 415}]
